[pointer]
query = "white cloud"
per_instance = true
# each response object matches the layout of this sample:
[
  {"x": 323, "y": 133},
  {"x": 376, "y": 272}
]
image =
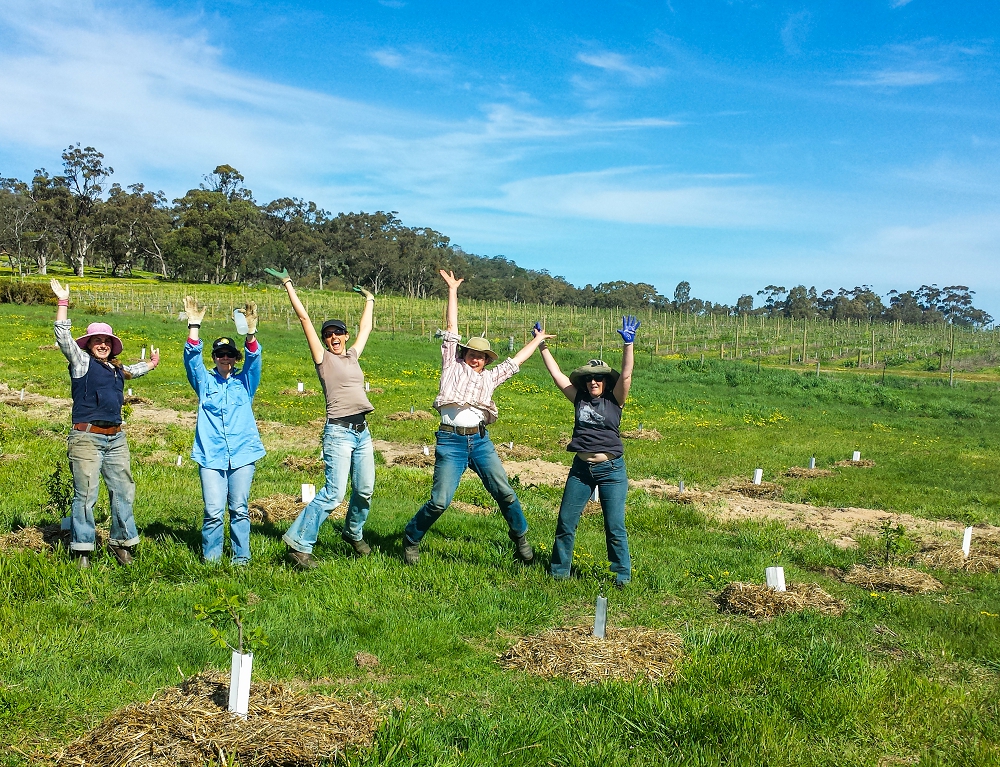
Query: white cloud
[
  {"x": 413, "y": 60},
  {"x": 895, "y": 78},
  {"x": 795, "y": 31},
  {"x": 900, "y": 3},
  {"x": 618, "y": 64}
]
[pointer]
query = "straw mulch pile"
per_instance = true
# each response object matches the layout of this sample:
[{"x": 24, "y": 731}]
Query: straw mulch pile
[
  {"x": 757, "y": 601},
  {"x": 471, "y": 508},
  {"x": 296, "y": 393},
  {"x": 135, "y": 399},
  {"x": 189, "y": 725},
  {"x": 275, "y": 508},
  {"x": 42, "y": 538},
  {"x": 750, "y": 490},
  {"x": 892, "y": 579},
  {"x": 984, "y": 556},
  {"x": 300, "y": 463},
  {"x": 366, "y": 660},
  {"x": 864, "y": 463},
  {"x": 416, "y": 415},
  {"x": 652, "y": 434},
  {"x": 517, "y": 453},
  {"x": 592, "y": 508},
  {"x": 418, "y": 460},
  {"x": 573, "y": 653},
  {"x": 798, "y": 472}
]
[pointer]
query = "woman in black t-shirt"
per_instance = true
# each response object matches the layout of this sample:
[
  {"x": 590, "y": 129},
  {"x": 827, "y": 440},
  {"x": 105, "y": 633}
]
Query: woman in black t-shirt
[{"x": 598, "y": 394}]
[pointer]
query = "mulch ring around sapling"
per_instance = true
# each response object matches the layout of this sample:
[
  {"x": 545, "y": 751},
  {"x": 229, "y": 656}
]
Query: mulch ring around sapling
[
  {"x": 296, "y": 393},
  {"x": 652, "y": 434},
  {"x": 472, "y": 508},
  {"x": 984, "y": 556},
  {"x": 757, "y": 601},
  {"x": 517, "y": 452},
  {"x": 301, "y": 463},
  {"x": 798, "y": 472},
  {"x": 416, "y": 415},
  {"x": 892, "y": 579},
  {"x": 864, "y": 463},
  {"x": 280, "y": 508},
  {"x": 573, "y": 653},
  {"x": 43, "y": 538},
  {"x": 750, "y": 490},
  {"x": 189, "y": 725}
]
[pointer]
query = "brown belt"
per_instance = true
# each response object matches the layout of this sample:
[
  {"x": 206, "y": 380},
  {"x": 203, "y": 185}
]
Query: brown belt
[
  {"x": 106, "y": 430},
  {"x": 465, "y": 431}
]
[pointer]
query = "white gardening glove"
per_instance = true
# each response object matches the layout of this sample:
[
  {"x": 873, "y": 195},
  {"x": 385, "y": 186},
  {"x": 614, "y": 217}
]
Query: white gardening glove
[
  {"x": 250, "y": 313},
  {"x": 61, "y": 291},
  {"x": 194, "y": 314}
]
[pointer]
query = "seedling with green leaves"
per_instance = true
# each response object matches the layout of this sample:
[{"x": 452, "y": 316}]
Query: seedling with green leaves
[{"x": 221, "y": 614}]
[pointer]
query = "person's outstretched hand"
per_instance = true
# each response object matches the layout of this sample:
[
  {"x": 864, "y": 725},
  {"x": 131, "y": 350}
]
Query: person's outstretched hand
[
  {"x": 369, "y": 296},
  {"x": 282, "y": 275},
  {"x": 536, "y": 329},
  {"x": 250, "y": 313},
  {"x": 629, "y": 325},
  {"x": 451, "y": 279},
  {"x": 194, "y": 314},
  {"x": 61, "y": 291},
  {"x": 154, "y": 358}
]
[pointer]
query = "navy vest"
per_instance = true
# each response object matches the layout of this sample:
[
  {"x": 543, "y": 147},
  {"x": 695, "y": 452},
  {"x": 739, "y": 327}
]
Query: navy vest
[{"x": 98, "y": 395}]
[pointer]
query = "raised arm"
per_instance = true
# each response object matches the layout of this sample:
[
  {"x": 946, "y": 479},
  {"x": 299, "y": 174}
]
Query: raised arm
[
  {"x": 629, "y": 325},
  {"x": 62, "y": 294},
  {"x": 367, "y": 321},
  {"x": 560, "y": 379},
  {"x": 194, "y": 317},
  {"x": 79, "y": 360},
  {"x": 453, "y": 283},
  {"x": 316, "y": 348}
]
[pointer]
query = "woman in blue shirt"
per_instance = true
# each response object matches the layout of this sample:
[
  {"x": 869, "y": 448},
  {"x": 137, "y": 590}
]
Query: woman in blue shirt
[{"x": 226, "y": 440}]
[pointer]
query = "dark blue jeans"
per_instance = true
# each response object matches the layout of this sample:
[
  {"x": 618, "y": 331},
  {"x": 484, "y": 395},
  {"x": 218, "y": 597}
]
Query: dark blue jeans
[
  {"x": 453, "y": 454},
  {"x": 612, "y": 487}
]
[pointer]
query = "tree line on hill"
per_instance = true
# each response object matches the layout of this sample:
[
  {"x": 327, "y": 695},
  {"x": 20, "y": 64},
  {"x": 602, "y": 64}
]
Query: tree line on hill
[{"x": 218, "y": 233}]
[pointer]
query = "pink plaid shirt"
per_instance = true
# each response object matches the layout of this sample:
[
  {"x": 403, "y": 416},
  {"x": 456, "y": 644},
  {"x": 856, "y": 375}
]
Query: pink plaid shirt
[{"x": 462, "y": 386}]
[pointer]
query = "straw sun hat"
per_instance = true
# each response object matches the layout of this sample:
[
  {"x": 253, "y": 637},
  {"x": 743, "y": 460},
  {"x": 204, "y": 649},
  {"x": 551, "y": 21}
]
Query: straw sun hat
[
  {"x": 594, "y": 368},
  {"x": 480, "y": 344}
]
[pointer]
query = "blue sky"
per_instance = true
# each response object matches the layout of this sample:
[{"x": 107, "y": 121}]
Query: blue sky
[{"x": 732, "y": 144}]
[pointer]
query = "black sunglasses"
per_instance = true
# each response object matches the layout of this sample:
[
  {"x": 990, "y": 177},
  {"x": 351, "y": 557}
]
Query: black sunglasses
[
  {"x": 588, "y": 379},
  {"x": 332, "y": 333},
  {"x": 224, "y": 356}
]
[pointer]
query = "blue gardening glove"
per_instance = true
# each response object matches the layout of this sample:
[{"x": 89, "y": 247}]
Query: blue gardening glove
[
  {"x": 536, "y": 330},
  {"x": 629, "y": 325},
  {"x": 282, "y": 275}
]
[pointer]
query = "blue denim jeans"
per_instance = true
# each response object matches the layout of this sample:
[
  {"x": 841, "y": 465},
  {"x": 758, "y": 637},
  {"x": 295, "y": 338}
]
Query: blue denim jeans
[
  {"x": 222, "y": 489},
  {"x": 92, "y": 456},
  {"x": 454, "y": 454},
  {"x": 346, "y": 453},
  {"x": 612, "y": 487}
]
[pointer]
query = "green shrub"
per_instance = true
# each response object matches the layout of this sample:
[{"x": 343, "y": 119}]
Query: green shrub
[{"x": 17, "y": 292}]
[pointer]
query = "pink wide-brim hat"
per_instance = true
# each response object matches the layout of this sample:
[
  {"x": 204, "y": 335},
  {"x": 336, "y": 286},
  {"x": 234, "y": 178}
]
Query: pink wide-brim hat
[{"x": 100, "y": 329}]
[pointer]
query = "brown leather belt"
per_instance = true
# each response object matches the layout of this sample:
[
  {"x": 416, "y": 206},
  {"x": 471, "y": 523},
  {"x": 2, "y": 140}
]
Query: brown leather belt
[
  {"x": 105, "y": 430},
  {"x": 464, "y": 431}
]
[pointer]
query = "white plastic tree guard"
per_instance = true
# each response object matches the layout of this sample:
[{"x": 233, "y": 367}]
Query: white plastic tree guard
[
  {"x": 308, "y": 492},
  {"x": 857, "y": 456},
  {"x": 775, "y": 578},
  {"x": 758, "y": 475},
  {"x": 601, "y": 617},
  {"x": 239, "y": 683},
  {"x": 967, "y": 542}
]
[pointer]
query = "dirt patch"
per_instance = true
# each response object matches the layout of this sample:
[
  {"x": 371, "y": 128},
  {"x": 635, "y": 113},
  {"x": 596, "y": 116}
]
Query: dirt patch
[
  {"x": 161, "y": 458},
  {"x": 189, "y": 725},
  {"x": 663, "y": 489},
  {"x": 416, "y": 460},
  {"x": 864, "y": 463},
  {"x": 163, "y": 416},
  {"x": 42, "y": 538},
  {"x": 537, "y": 472},
  {"x": 471, "y": 508},
  {"x": 48, "y": 348},
  {"x": 281, "y": 436},
  {"x": 11, "y": 456},
  {"x": 366, "y": 660},
  {"x": 984, "y": 556},
  {"x": 652, "y": 434},
  {"x": 573, "y": 653},
  {"x": 797, "y": 472},
  {"x": 416, "y": 415},
  {"x": 892, "y": 579},
  {"x": 757, "y": 601},
  {"x": 514, "y": 452},
  {"x": 135, "y": 399},
  {"x": 300, "y": 463},
  {"x": 750, "y": 490}
]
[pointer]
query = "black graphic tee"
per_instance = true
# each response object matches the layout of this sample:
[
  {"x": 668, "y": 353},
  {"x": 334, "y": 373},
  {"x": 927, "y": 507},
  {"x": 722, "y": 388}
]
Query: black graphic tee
[{"x": 595, "y": 429}]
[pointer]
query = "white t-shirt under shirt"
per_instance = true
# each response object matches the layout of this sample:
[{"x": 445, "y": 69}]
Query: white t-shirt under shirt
[
  {"x": 460, "y": 415},
  {"x": 343, "y": 385}
]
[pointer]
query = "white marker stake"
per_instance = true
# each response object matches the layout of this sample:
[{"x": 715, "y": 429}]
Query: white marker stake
[
  {"x": 595, "y": 497},
  {"x": 180, "y": 460},
  {"x": 775, "y": 578},
  {"x": 967, "y": 541},
  {"x": 308, "y": 493},
  {"x": 411, "y": 408},
  {"x": 680, "y": 486},
  {"x": 601, "y": 617},
  {"x": 510, "y": 445},
  {"x": 367, "y": 387},
  {"x": 130, "y": 391},
  {"x": 426, "y": 450},
  {"x": 812, "y": 462},
  {"x": 640, "y": 427},
  {"x": 857, "y": 456},
  {"x": 758, "y": 475},
  {"x": 143, "y": 355},
  {"x": 239, "y": 684},
  {"x": 301, "y": 387},
  {"x": 22, "y": 394}
]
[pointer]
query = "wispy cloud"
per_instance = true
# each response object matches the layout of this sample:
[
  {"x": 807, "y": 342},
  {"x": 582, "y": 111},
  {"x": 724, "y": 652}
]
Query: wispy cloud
[
  {"x": 899, "y": 78},
  {"x": 900, "y": 3},
  {"x": 616, "y": 63},
  {"x": 416, "y": 61},
  {"x": 795, "y": 31}
]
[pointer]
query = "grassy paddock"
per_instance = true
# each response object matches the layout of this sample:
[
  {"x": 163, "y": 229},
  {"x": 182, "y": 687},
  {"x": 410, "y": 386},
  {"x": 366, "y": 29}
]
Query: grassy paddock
[{"x": 904, "y": 678}]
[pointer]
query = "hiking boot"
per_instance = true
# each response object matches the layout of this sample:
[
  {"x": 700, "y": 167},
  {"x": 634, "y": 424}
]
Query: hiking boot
[
  {"x": 121, "y": 554},
  {"x": 411, "y": 551},
  {"x": 301, "y": 560},
  {"x": 82, "y": 560},
  {"x": 361, "y": 548},
  {"x": 522, "y": 549}
]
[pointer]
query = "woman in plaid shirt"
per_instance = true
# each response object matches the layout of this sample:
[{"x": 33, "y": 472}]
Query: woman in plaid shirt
[{"x": 465, "y": 402}]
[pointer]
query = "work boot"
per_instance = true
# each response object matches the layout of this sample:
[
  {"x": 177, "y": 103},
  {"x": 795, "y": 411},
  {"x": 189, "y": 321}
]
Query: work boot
[
  {"x": 301, "y": 560},
  {"x": 121, "y": 553},
  {"x": 82, "y": 560},
  {"x": 411, "y": 551},
  {"x": 522, "y": 549},
  {"x": 361, "y": 548}
]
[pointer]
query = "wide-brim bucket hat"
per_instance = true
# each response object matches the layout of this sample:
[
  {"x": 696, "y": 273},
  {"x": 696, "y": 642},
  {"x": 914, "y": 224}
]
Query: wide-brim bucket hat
[
  {"x": 100, "y": 329},
  {"x": 480, "y": 344},
  {"x": 594, "y": 368}
]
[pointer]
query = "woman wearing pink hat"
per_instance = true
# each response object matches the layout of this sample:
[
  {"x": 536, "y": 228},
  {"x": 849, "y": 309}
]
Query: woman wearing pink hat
[{"x": 97, "y": 446}]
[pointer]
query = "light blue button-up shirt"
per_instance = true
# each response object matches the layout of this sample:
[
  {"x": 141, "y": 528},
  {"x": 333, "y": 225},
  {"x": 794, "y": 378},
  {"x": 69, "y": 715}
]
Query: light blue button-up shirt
[{"x": 226, "y": 435}]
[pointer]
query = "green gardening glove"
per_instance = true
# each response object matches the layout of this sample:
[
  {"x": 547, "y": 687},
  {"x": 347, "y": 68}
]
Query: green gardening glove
[
  {"x": 282, "y": 275},
  {"x": 367, "y": 294}
]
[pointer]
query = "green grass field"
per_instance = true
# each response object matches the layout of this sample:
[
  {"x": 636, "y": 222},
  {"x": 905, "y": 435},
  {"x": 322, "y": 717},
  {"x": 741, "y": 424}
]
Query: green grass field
[{"x": 896, "y": 680}]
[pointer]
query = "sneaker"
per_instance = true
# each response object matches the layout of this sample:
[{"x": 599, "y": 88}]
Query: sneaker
[
  {"x": 82, "y": 560},
  {"x": 411, "y": 551},
  {"x": 121, "y": 553},
  {"x": 301, "y": 560},
  {"x": 620, "y": 585},
  {"x": 522, "y": 549},
  {"x": 361, "y": 548}
]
